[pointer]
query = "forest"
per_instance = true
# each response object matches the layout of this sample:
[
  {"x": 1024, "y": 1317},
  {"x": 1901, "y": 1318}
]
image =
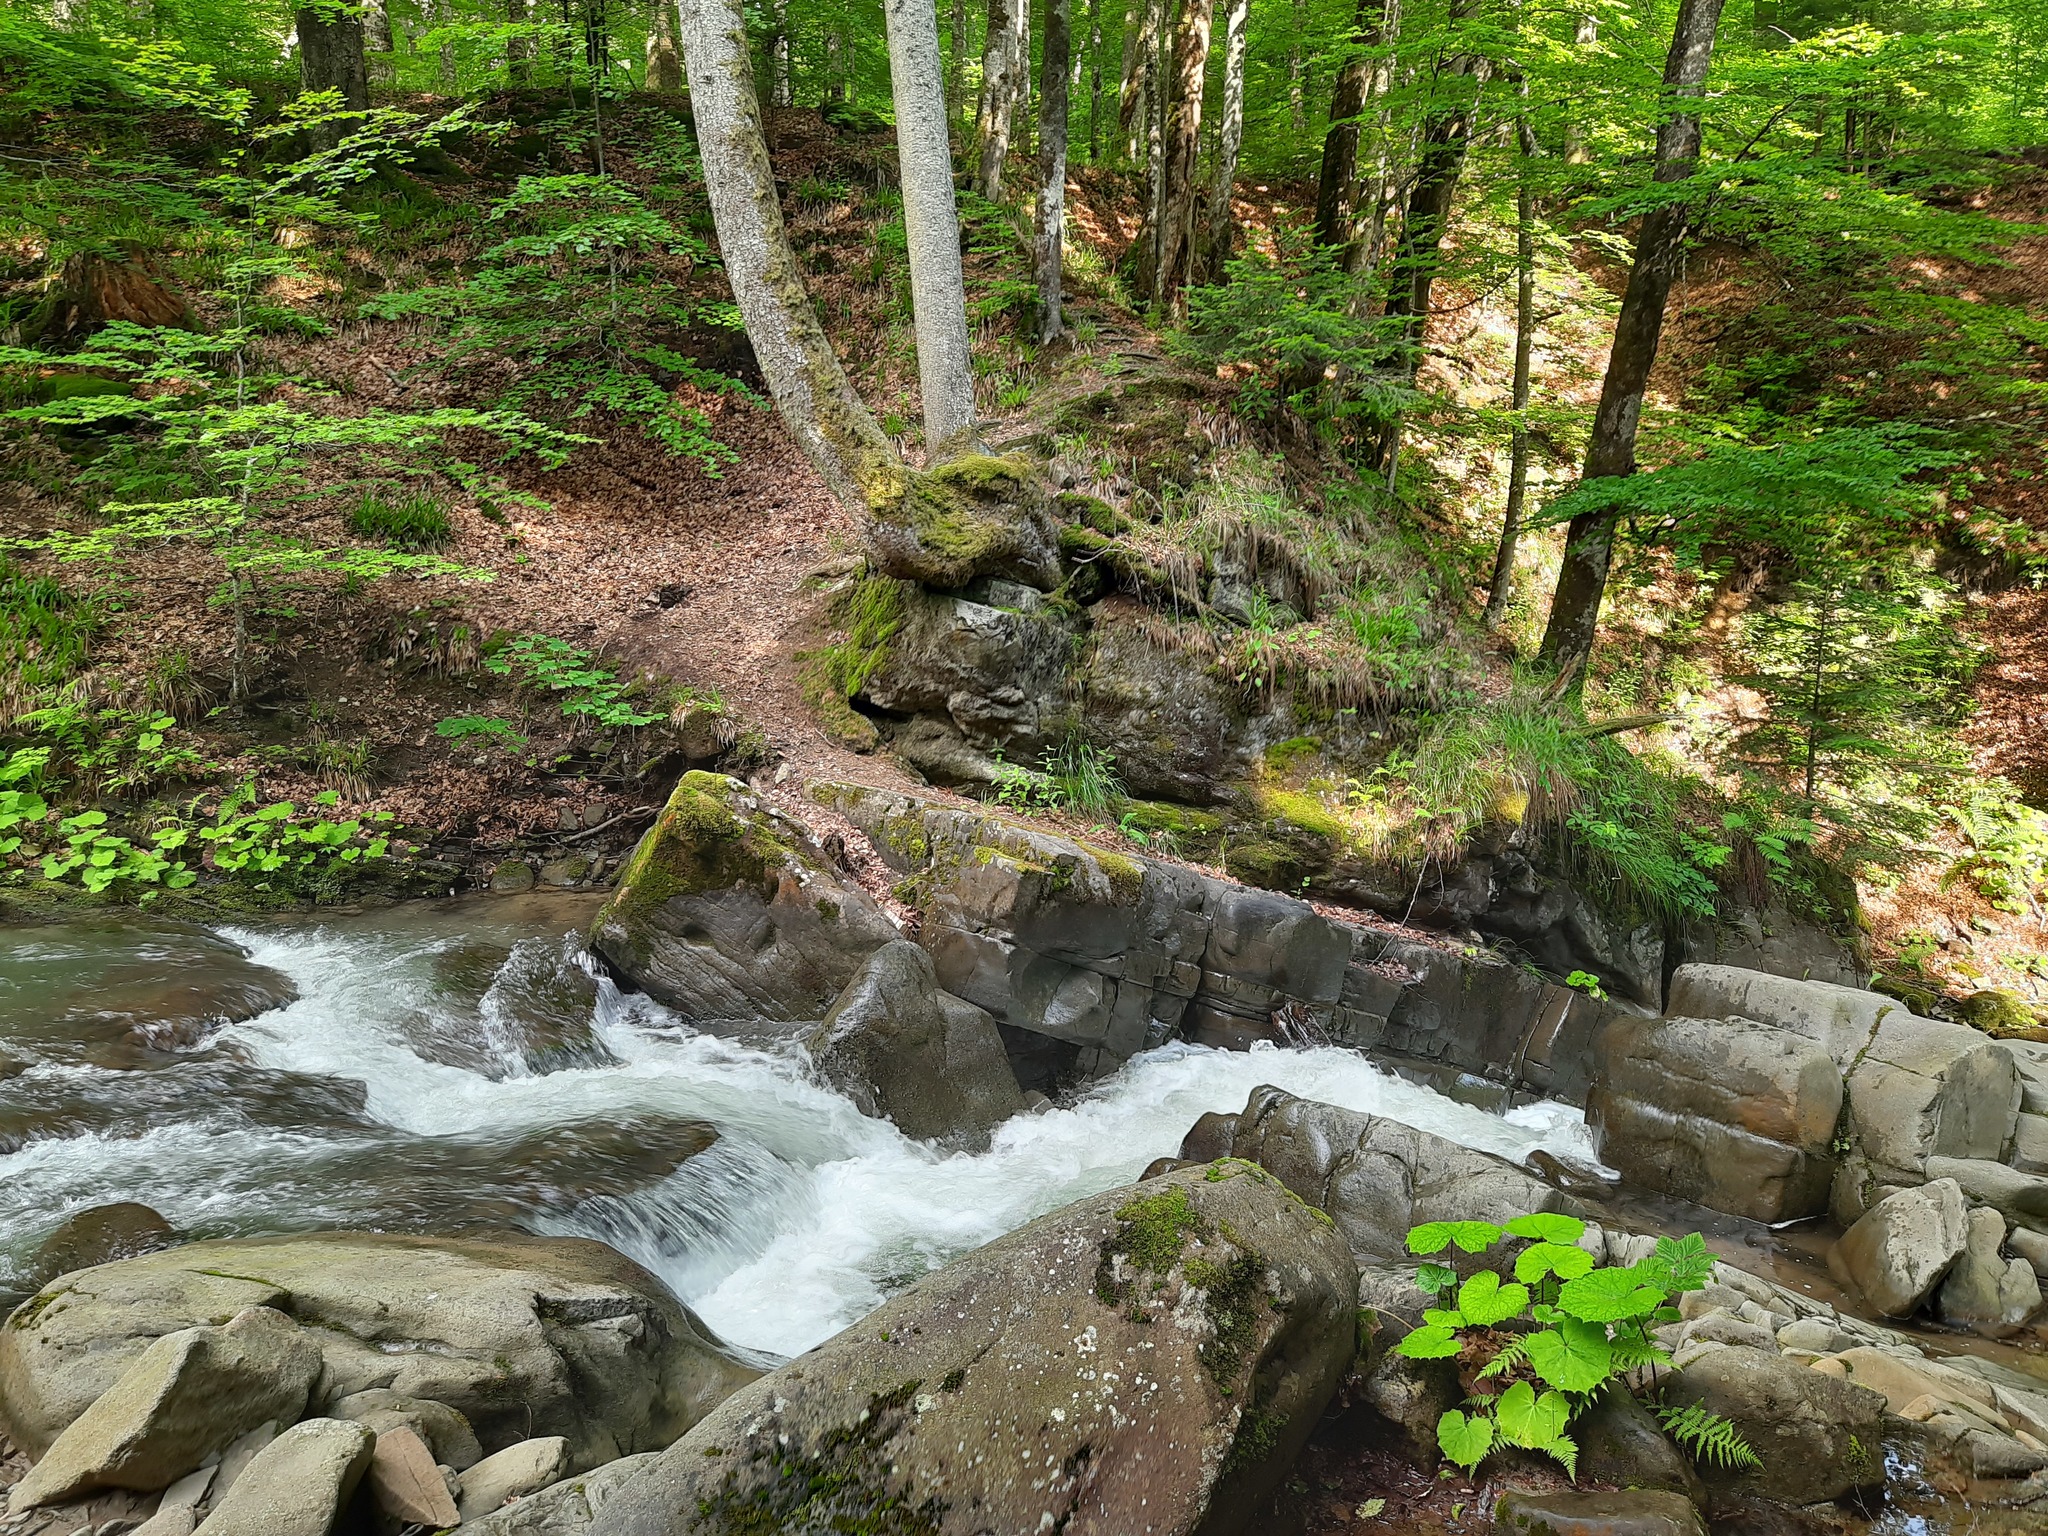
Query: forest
[{"x": 678, "y": 677}]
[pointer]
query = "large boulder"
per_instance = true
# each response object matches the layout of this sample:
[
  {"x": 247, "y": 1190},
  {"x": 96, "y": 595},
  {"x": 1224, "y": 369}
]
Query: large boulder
[
  {"x": 298, "y": 1484},
  {"x": 1818, "y": 1436},
  {"x": 1898, "y": 1251},
  {"x": 1148, "y": 1359},
  {"x": 728, "y": 913},
  {"x": 975, "y": 515},
  {"x": 186, "y": 1397},
  {"x": 1984, "y": 1289},
  {"x": 1374, "y": 1176},
  {"x": 900, "y": 1049},
  {"x": 1727, "y": 1113},
  {"x": 521, "y": 1335}
]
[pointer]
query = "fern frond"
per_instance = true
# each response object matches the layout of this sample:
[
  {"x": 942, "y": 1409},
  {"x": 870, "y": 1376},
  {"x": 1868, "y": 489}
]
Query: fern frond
[
  {"x": 1512, "y": 1354},
  {"x": 1566, "y": 1450},
  {"x": 1708, "y": 1438}
]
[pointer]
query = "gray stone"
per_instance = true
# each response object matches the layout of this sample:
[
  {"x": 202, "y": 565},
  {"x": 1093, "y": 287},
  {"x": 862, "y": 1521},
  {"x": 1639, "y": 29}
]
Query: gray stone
[
  {"x": 1843, "y": 1021},
  {"x": 1984, "y": 1289},
  {"x": 895, "y": 1047},
  {"x": 1727, "y": 1113},
  {"x": 1816, "y": 1334},
  {"x": 2020, "y": 1198},
  {"x": 1818, "y": 1436},
  {"x": 511, "y": 877},
  {"x": 1637, "y": 1513},
  {"x": 513, "y": 1473},
  {"x": 1377, "y": 1177},
  {"x": 567, "y": 1508},
  {"x": 1995, "y": 1455},
  {"x": 729, "y": 914},
  {"x": 2031, "y": 1246},
  {"x": 446, "y": 1432},
  {"x": 1719, "y": 1327},
  {"x": 98, "y": 1236},
  {"x": 564, "y": 873},
  {"x": 523, "y": 1335},
  {"x": 189, "y": 1491},
  {"x": 184, "y": 1397},
  {"x": 234, "y": 1461},
  {"x": 405, "y": 1483},
  {"x": 298, "y": 1484},
  {"x": 180, "y": 1521},
  {"x": 1899, "y": 1250},
  {"x": 1121, "y": 1364},
  {"x": 1621, "y": 1442}
]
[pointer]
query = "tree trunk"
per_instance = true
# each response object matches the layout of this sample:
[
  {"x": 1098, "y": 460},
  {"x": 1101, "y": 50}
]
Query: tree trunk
[
  {"x": 956, "y": 63},
  {"x": 1297, "y": 68},
  {"x": 518, "y": 50},
  {"x": 992, "y": 119},
  {"x": 778, "y": 56},
  {"x": 931, "y": 227},
  {"x": 1155, "y": 155},
  {"x": 835, "y": 80},
  {"x": 1049, "y": 250},
  {"x": 1337, "y": 190},
  {"x": 1585, "y": 39},
  {"x": 1502, "y": 585},
  {"x": 1446, "y": 136},
  {"x": 664, "y": 63},
  {"x": 1020, "y": 80},
  {"x": 1660, "y": 250},
  {"x": 331, "y": 59},
  {"x": 816, "y": 400},
  {"x": 1230, "y": 138},
  {"x": 1094, "y": 82},
  {"x": 1375, "y": 195},
  {"x": 1183, "y": 150},
  {"x": 381, "y": 68},
  {"x": 1141, "y": 21}
]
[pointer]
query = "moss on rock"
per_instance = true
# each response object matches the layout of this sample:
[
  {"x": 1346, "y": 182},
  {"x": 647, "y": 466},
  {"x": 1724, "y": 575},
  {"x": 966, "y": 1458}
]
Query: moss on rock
[
  {"x": 698, "y": 843},
  {"x": 2003, "y": 1015}
]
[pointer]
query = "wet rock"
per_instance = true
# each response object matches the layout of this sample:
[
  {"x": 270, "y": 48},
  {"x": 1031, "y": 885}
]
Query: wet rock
[
  {"x": 1984, "y": 1289},
  {"x": 1818, "y": 1437},
  {"x": 183, "y": 1398},
  {"x": 1726, "y": 1113},
  {"x": 513, "y": 1473},
  {"x": 1902, "y": 1380},
  {"x": 1634, "y": 1513},
  {"x": 1898, "y": 1251},
  {"x": 446, "y": 1432},
  {"x": 893, "y": 1046},
  {"x": 729, "y": 914},
  {"x": 1209, "y": 1138},
  {"x": 1377, "y": 1177},
  {"x": 1151, "y": 1358},
  {"x": 1621, "y": 1442},
  {"x": 405, "y": 1483},
  {"x": 298, "y": 1484},
  {"x": 566, "y": 1508},
  {"x": 567, "y": 872},
  {"x": 511, "y": 878},
  {"x": 98, "y": 1236},
  {"x": 1407, "y": 1396},
  {"x": 527, "y": 1335}
]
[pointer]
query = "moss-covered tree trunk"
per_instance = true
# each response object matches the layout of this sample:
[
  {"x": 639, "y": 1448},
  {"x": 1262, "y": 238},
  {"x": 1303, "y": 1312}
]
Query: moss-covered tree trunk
[
  {"x": 664, "y": 61},
  {"x": 813, "y": 394},
  {"x": 1049, "y": 246},
  {"x": 931, "y": 225}
]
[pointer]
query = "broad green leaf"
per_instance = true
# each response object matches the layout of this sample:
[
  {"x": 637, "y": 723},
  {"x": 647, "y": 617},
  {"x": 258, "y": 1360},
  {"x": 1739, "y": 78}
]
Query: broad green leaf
[
  {"x": 1485, "y": 1301},
  {"x": 1546, "y": 1258},
  {"x": 1435, "y": 1277},
  {"x": 1528, "y": 1420},
  {"x": 1548, "y": 1227},
  {"x": 1443, "y": 1317},
  {"x": 1464, "y": 1441},
  {"x": 1573, "y": 1356},
  {"x": 1608, "y": 1296},
  {"x": 1436, "y": 1236},
  {"x": 1428, "y": 1344}
]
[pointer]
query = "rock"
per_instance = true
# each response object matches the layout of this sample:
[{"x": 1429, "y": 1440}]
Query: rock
[
  {"x": 1719, "y": 1327},
  {"x": 189, "y": 1491},
  {"x": 893, "y": 1046},
  {"x": 973, "y": 515},
  {"x": 513, "y": 1473},
  {"x": 729, "y": 914},
  {"x": 2000, "y": 1455},
  {"x": 1408, "y": 1396},
  {"x": 2001, "y": 1014},
  {"x": 566, "y": 872},
  {"x": 98, "y": 1236},
  {"x": 298, "y": 1484},
  {"x": 1983, "y": 1289},
  {"x": 234, "y": 1461},
  {"x": 2030, "y": 1142},
  {"x": 1778, "y": 942},
  {"x": 511, "y": 878},
  {"x": 1815, "y": 1334},
  {"x": 1727, "y": 1113},
  {"x": 1898, "y": 1251},
  {"x": 1209, "y": 1138},
  {"x": 1900, "y": 1380},
  {"x": 1119, "y": 1365},
  {"x": 2031, "y": 1246},
  {"x": 405, "y": 1483},
  {"x": 567, "y": 1508},
  {"x": 1597, "y": 1514},
  {"x": 2020, "y": 1198},
  {"x": 1818, "y": 1437},
  {"x": 1621, "y": 1442},
  {"x": 168, "y": 1522},
  {"x": 540, "y": 1335},
  {"x": 184, "y": 1397},
  {"x": 1377, "y": 1177},
  {"x": 446, "y": 1432}
]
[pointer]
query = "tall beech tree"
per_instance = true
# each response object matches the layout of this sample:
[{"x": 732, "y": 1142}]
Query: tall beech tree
[
  {"x": 1049, "y": 240},
  {"x": 1229, "y": 140},
  {"x": 331, "y": 59},
  {"x": 1180, "y": 181},
  {"x": 1659, "y": 254}
]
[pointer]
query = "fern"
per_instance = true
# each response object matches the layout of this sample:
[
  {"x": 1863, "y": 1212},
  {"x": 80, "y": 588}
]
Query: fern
[
  {"x": 1708, "y": 1438},
  {"x": 1512, "y": 1354}
]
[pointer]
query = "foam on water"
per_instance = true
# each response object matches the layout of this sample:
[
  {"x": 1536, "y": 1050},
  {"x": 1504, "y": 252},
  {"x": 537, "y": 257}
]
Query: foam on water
[{"x": 805, "y": 1214}]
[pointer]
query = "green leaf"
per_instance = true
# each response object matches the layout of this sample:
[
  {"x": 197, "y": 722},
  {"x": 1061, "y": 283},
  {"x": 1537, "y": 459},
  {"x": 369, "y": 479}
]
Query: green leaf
[
  {"x": 1436, "y": 1236},
  {"x": 1464, "y": 1441},
  {"x": 1548, "y": 1227},
  {"x": 1608, "y": 1296},
  {"x": 1573, "y": 1356},
  {"x": 1430, "y": 1343},
  {"x": 1434, "y": 1277},
  {"x": 1547, "y": 1258},
  {"x": 1443, "y": 1317},
  {"x": 1485, "y": 1301},
  {"x": 1528, "y": 1420}
]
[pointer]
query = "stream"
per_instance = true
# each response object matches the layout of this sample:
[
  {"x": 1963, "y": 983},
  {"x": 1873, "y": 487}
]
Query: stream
[{"x": 462, "y": 1064}]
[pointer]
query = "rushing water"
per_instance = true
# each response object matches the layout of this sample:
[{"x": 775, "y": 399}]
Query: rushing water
[{"x": 461, "y": 1064}]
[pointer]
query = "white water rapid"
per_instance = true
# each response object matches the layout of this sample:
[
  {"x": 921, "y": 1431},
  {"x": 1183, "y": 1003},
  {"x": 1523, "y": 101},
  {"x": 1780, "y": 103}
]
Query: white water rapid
[{"x": 802, "y": 1217}]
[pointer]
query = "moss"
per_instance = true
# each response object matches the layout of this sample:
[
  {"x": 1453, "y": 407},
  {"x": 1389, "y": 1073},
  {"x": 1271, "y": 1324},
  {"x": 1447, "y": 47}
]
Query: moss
[
  {"x": 1191, "y": 831},
  {"x": 840, "y": 721},
  {"x": 1088, "y": 511},
  {"x": 1282, "y": 756},
  {"x": 1305, "y": 811},
  {"x": 1258, "y": 1436},
  {"x": 1126, "y": 876},
  {"x": 2002, "y": 1015},
  {"x": 1151, "y": 1232},
  {"x": 1271, "y": 863},
  {"x": 1921, "y": 999},
  {"x": 1235, "y": 1292},
  {"x": 26, "y": 1314},
  {"x": 698, "y": 843},
  {"x": 871, "y": 612}
]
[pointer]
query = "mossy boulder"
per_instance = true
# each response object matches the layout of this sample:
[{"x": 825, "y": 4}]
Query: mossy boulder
[
  {"x": 728, "y": 913},
  {"x": 2003, "y": 1016},
  {"x": 1148, "y": 1359},
  {"x": 973, "y": 516}
]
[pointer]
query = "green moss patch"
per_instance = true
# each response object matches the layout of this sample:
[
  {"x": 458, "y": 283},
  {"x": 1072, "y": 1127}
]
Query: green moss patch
[{"x": 699, "y": 843}]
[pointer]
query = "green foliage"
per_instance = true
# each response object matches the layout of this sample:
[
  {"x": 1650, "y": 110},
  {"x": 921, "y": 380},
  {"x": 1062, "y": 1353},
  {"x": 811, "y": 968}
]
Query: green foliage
[
  {"x": 487, "y": 727},
  {"x": 46, "y": 634},
  {"x": 1545, "y": 1343},
  {"x": 1084, "y": 776},
  {"x": 403, "y": 519},
  {"x": 2005, "y": 843},
  {"x": 1708, "y": 1438},
  {"x": 589, "y": 690}
]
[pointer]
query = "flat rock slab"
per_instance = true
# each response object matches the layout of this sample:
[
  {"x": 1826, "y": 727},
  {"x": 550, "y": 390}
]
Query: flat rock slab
[
  {"x": 1818, "y": 1436},
  {"x": 512, "y": 1473},
  {"x": 566, "y": 1508},
  {"x": 183, "y": 1398},
  {"x": 406, "y": 1483},
  {"x": 298, "y": 1484},
  {"x": 1633, "y": 1513}
]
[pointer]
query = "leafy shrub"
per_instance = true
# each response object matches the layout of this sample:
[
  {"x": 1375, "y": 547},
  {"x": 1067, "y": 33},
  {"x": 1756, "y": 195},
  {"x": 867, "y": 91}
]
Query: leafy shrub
[
  {"x": 402, "y": 519},
  {"x": 1085, "y": 776},
  {"x": 468, "y": 727},
  {"x": 590, "y": 691}
]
